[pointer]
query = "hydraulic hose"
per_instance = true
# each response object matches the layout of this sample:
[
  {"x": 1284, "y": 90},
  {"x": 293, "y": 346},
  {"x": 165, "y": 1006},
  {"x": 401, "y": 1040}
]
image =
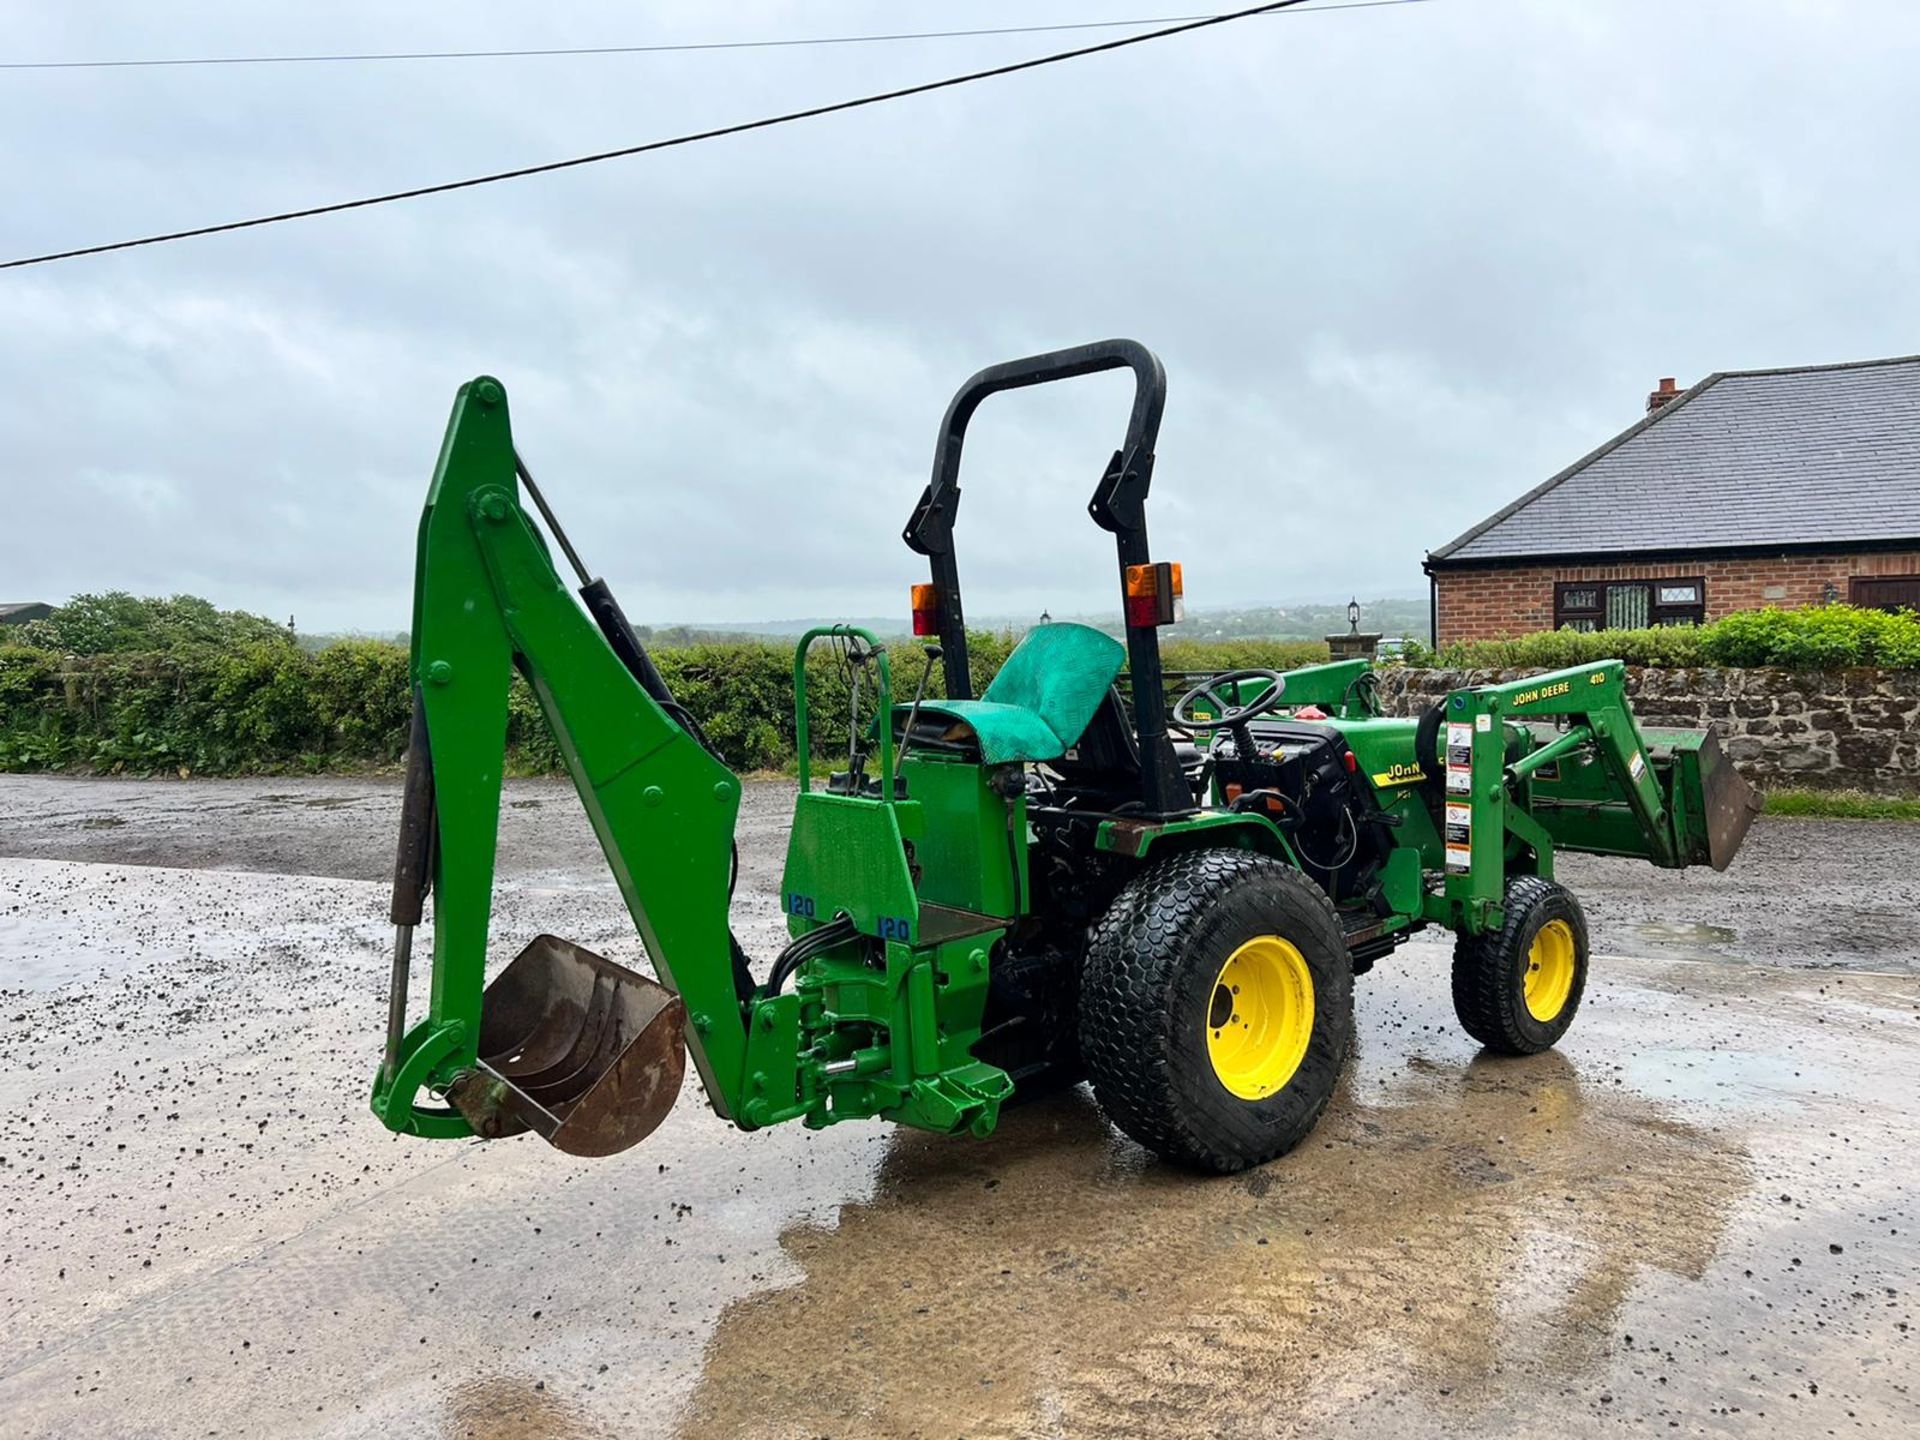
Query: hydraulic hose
[{"x": 804, "y": 948}]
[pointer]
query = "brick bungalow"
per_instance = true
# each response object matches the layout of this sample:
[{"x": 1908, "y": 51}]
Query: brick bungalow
[{"x": 1752, "y": 488}]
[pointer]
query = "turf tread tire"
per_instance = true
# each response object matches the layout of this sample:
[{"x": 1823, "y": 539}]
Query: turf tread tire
[
  {"x": 1488, "y": 970},
  {"x": 1149, "y": 1071}
]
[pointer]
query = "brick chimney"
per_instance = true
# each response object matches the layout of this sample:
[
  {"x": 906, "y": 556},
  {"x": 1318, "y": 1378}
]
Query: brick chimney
[{"x": 1666, "y": 394}]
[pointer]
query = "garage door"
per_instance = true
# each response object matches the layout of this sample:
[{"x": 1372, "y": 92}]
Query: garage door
[{"x": 1887, "y": 592}]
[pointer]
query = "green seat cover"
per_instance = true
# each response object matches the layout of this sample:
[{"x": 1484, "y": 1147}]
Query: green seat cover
[{"x": 1043, "y": 697}]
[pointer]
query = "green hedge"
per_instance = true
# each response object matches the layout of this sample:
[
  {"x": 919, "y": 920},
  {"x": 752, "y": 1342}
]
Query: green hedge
[
  {"x": 211, "y": 711},
  {"x": 1825, "y": 637},
  {"x": 267, "y": 707}
]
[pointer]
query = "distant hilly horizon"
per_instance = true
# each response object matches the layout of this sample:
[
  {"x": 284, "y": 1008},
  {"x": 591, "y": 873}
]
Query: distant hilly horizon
[{"x": 1394, "y": 616}]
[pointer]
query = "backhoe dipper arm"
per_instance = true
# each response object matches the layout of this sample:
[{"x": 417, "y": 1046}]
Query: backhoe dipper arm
[{"x": 487, "y": 600}]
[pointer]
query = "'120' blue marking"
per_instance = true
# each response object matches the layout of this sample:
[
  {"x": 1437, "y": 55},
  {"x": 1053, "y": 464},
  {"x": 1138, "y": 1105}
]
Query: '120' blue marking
[{"x": 891, "y": 927}]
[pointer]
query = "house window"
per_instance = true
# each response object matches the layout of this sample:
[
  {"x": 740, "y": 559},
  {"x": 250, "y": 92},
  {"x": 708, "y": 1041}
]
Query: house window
[
  {"x": 1886, "y": 592},
  {"x": 1628, "y": 604}
]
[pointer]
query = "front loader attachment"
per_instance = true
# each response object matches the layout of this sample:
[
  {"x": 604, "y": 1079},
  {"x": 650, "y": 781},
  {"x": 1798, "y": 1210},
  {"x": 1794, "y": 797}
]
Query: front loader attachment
[
  {"x": 1598, "y": 781},
  {"x": 585, "y": 1053}
]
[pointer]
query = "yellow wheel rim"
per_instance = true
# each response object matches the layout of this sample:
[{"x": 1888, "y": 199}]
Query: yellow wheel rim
[
  {"x": 1260, "y": 1017},
  {"x": 1550, "y": 967}
]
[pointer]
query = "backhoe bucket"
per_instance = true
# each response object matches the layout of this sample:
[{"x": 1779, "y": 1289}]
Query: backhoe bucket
[{"x": 584, "y": 1052}]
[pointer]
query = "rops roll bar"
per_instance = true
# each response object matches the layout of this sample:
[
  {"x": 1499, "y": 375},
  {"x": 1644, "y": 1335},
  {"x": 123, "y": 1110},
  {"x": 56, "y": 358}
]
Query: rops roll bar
[{"x": 1118, "y": 506}]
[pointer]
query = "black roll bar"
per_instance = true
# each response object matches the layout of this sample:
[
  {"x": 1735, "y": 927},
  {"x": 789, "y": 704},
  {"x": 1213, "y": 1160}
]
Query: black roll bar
[{"x": 1118, "y": 506}]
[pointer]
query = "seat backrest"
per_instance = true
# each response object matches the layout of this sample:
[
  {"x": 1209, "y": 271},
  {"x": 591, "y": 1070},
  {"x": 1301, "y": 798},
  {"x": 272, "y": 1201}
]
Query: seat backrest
[
  {"x": 1107, "y": 752},
  {"x": 1061, "y": 672}
]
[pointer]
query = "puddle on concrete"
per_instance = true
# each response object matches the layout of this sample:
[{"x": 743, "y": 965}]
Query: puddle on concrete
[
  {"x": 1674, "y": 935},
  {"x": 63, "y": 924},
  {"x": 1727, "y": 1079},
  {"x": 1443, "y": 1226}
]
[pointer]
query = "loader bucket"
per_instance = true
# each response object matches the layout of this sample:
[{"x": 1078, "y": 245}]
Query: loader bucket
[
  {"x": 1727, "y": 803},
  {"x": 584, "y": 1052},
  {"x": 1709, "y": 805},
  {"x": 1710, "y": 801}
]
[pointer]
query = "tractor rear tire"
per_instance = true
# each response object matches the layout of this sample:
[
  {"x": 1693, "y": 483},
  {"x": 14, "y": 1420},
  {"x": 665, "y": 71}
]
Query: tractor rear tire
[
  {"x": 1516, "y": 989},
  {"x": 1192, "y": 947}
]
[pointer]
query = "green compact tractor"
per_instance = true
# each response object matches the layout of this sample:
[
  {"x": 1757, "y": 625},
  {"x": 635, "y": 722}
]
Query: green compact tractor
[{"x": 1061, "y": 879}]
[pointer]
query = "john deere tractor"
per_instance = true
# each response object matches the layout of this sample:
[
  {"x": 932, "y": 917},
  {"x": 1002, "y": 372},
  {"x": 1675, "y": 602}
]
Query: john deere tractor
[{"x": 1062, "y": 878}]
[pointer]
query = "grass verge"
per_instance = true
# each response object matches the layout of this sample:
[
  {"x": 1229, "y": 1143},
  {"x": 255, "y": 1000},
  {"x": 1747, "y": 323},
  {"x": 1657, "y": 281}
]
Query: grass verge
[{"x": 1841, "y": 805}]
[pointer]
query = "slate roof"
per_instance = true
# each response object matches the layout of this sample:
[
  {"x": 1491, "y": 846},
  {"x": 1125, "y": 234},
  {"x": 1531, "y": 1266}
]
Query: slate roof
[{"x": 1811, "y": 455}]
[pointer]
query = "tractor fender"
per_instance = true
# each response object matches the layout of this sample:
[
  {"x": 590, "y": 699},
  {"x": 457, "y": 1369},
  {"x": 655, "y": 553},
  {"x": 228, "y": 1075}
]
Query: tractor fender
[{"x": 1225, "y": 829}]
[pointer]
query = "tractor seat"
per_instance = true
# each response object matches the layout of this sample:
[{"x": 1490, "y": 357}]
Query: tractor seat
[{"x": 1043, "y": 697}]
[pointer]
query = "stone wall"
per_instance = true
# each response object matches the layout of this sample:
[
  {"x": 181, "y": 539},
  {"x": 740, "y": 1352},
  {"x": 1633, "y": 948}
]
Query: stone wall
[{"x": 1827, "y": 730}]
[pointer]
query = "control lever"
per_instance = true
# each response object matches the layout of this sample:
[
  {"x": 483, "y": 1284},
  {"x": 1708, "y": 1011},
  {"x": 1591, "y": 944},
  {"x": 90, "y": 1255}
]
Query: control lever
[
  {"x": 906, "y": 735},
  {"x": 857, "y": 658}
]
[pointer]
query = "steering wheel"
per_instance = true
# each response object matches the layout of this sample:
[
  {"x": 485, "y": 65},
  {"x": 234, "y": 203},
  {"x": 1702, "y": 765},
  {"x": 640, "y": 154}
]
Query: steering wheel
[{"x": 1227, "y": 716}]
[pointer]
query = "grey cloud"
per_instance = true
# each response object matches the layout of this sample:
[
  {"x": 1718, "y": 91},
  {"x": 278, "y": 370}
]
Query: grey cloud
[{"x": 1401, "y": 264}]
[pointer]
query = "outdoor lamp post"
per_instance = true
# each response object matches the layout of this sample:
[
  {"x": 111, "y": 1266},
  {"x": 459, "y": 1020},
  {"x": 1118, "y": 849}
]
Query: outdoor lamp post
[{"x": 1353, "y": 645}]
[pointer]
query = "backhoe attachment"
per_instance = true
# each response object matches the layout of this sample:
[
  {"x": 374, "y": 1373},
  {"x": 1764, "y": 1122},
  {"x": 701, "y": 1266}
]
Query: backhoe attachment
[{"x": 587, "y": 1053}]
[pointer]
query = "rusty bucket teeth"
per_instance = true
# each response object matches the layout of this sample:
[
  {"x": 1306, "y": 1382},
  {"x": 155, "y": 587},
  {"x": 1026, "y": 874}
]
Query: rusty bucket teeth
[{"x": 586, "y": 1053}]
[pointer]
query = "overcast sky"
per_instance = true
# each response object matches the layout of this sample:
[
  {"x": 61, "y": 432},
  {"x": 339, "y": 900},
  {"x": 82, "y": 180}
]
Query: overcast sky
[{"x": 1401, "y": 264}]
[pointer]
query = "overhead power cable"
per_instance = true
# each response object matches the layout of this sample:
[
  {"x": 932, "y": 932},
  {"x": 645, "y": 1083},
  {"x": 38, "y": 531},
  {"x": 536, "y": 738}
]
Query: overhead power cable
[
  {"x": 765, "y": 123},
  {"x": 659, "y": 49}
]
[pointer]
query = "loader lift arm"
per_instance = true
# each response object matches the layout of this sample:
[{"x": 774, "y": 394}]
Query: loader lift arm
[{"x": 1557, "y": 761}]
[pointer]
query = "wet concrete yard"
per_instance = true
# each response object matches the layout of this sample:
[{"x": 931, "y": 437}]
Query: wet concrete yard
[{"x": 1700, "y": 1217}]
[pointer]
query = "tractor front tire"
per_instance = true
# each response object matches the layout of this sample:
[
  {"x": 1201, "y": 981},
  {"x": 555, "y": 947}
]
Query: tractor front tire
[
  {"x": 1216, "y": 1008},
  {"x": 1516, "y": 989}
]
